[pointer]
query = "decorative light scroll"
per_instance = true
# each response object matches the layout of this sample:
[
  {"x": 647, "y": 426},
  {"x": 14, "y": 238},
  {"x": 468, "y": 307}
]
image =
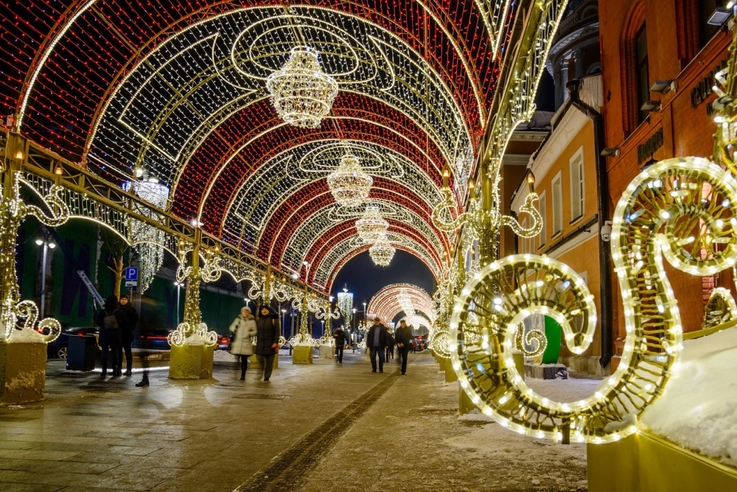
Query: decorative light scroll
[
  {"x": 13, "y": 210},
  {"x": 682, "y": 209},
  {"x": 193, "y": 331},
  {"x": 382, "y": 252},
  {"x": 372, "y": 226},
  {"x": 349, "y": 185},
  {"x": 301, "y": 92}
]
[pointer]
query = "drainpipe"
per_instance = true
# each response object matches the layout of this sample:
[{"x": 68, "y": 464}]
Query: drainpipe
[{"x": 605, "y": 269}]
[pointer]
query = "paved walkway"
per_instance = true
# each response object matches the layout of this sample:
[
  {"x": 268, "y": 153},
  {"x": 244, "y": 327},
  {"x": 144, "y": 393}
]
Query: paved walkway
[{"x": 315, "y": 428}]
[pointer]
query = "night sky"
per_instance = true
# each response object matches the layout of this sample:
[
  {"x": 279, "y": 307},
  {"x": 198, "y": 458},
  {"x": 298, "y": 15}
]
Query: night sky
[{"x": 364, "y": 279}]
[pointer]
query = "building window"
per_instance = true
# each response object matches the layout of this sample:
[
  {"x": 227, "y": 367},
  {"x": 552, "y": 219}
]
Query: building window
[
  {"x": 557, "y": 205},
  {"x": 543, "y": 209},
  {"x": 706, "y": 31},
  {"x": 577, "y": 187},
  {"x": 643, "y": 76}
]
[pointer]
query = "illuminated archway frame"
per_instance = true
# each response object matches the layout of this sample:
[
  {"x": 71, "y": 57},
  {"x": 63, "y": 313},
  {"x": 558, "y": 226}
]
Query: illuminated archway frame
[
  {"x": 312, "y": 239},
  {"x": 258, "y": 138},
  {"x": 225, "y": 60},
  {"x": 279, "y": 187},
  {"x": 334, "y": 253},
  {"x": 89, "y": 198},
  {"x": 385, "y": 303},
  {"x": 471, "y": 50},
  {"x": 494, "y": 18},
  {"x": 344, "y": 251}
]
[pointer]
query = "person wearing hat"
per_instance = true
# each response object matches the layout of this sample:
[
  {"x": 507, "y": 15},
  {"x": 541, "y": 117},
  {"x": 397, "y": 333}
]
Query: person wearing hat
[{"x": 244, "y": 327}]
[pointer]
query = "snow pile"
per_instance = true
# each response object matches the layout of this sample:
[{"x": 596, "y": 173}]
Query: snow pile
[
  {"x": 698, "y": 409},
  {"x": 26, "y": 336},
  {"x": 196, "y": 340},
  {"x": 475, "y": 416}
]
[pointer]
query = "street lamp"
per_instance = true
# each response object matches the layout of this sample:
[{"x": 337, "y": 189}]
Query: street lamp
[
  {"x": 283, "y": 313},
  {"x": 179, "y": 285},
  {"x": 47, "y": 244}
]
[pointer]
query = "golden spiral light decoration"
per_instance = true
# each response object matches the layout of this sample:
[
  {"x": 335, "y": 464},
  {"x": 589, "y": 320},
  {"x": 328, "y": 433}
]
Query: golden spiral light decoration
[{"x": 682, "y": 209}]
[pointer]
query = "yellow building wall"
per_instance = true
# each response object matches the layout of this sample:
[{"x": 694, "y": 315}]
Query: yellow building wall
[
  {"x": 585, "y": 256},
  {"x": 585, "y": 139}
]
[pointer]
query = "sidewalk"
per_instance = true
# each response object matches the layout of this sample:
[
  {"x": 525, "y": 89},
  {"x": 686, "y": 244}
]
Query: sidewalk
[{"x": 318, "y": 427}]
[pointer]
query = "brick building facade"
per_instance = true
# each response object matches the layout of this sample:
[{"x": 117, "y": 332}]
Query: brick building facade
[{"x": 644, "y": 42}]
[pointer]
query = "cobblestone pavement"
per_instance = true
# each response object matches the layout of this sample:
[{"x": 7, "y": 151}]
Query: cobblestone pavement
[{"x": 318, "y": 427}]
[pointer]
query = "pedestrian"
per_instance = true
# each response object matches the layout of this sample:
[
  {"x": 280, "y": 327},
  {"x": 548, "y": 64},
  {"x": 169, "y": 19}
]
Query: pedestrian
[
  {"x": 110, "y": 319},
  {"x": 130, "y": 319},
  {"x": 244, "y": 327},
  {"x": 390, "y": 341},
  {"x": 339, "y": 336},
  {"x": 144, "y": 353},
  {"x": 376, "y": 338},
  {"x": 403, "y": 337},
  {"x": 267, "y": 339}
]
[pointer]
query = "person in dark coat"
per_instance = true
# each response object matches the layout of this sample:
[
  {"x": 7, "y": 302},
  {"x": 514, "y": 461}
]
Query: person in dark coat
[
  {"x": 339, "y": 336},
  {"x": 267, "y": 339},
  {"x": 390, "y": 341},
  {"x": 109, "y": 334},
  {"x": 403, "y": 338},
  {"x": 376, "y": 339},
  {"x": 130, "y": 319}
]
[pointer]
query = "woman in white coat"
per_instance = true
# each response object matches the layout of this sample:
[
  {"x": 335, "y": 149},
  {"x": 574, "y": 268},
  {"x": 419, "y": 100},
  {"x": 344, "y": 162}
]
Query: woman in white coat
[{"x": 244, "y": 327}]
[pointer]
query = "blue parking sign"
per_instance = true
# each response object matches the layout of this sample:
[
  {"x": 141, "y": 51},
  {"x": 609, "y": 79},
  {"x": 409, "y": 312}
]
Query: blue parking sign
[{"x": 131, "y": 273}]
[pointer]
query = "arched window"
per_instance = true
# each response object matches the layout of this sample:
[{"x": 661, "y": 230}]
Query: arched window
[{"x": 635, "y": 68}]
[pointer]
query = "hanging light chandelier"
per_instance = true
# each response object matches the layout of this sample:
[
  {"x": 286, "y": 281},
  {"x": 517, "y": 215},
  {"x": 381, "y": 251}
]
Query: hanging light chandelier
[
  {"x": 301, "y": 92},
  {"x": 349, "y": 184},
  {"x": 148, "y": 241},
  {"x": 405, "y": 302},
  {"x": 372, "y": 226},
  {"x": 382, "y": 252}
]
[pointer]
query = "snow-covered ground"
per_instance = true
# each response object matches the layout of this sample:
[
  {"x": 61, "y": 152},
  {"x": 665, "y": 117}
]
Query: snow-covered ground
[{"x": 698, "y": 409}]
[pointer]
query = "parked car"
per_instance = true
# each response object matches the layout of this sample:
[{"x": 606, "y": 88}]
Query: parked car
[
  {"x": 223, "y": 342},
  {"x": 58, "y": 349},
  {"x": 157, "y": 339}
]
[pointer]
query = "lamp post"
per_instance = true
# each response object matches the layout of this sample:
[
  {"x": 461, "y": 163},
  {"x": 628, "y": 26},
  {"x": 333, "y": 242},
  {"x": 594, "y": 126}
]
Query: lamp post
[
  {"x": 179, "y": 286},
  {"x": 283, "y": 313},
  {"x": 47, "y": 244}
]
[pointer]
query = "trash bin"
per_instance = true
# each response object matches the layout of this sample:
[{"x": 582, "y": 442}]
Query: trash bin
[{"x": 81, "y": 353}]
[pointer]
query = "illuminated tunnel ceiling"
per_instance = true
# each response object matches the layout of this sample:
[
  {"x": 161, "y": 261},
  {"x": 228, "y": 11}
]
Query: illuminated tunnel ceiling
[{"x": 179, "y": 89}]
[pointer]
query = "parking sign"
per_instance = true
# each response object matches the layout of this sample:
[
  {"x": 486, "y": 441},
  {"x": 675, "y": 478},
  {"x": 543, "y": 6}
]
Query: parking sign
[{"x": 131, "y": 273}]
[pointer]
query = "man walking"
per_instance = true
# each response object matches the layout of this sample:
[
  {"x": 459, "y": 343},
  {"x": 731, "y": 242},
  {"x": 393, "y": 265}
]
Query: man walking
[
  {"x": 267, "y": 339},
  {"x": 403, "y": 338},
  {"x": 130, "y": 319},
  {"x": 339, "y": 336},
  {"x": 376, "y": 339}
]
